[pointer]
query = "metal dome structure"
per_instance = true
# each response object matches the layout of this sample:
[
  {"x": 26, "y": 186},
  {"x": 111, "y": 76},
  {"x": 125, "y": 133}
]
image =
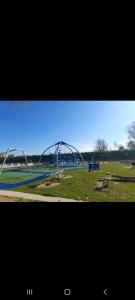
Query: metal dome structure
[{"x": 61, "y": 155}]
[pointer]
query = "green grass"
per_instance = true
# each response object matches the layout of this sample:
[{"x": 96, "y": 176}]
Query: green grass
[
  {"x": 81, "y": 186},
  {"x": 14, "y": 177},
  {"x": 43, "y": 168},
  {"x": 36, "y": 169}
]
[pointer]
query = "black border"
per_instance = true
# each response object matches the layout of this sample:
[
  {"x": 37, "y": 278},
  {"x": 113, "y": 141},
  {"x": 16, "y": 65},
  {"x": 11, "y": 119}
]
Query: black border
[
  {"x": 74, "y": 243},
  {"x": 69, "y": 81},
  {"x": 61, "y": 240}
]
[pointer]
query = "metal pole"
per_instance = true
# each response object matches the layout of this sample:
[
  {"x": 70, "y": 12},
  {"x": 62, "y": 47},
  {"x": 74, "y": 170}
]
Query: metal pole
[
  {"x": 56, "y": 151},
  {"x": 45, "y": 151},
  {"x": 26, "y": 160},
  {"x": 4, "y": 160},
  {"x": 12, "y": 150},
  {"x": 78, "y": 152}
]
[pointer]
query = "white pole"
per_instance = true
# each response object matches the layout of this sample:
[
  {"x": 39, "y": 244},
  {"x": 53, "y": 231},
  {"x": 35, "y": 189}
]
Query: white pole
[
  {"x": 4, "y": 161},
  {"x": 26, "y": 159},
  {"x": 11, "y": 150}
]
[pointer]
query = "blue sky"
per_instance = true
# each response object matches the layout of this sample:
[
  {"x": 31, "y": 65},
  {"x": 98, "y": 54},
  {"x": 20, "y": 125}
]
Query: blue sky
[{"x": 80, "y": 123}]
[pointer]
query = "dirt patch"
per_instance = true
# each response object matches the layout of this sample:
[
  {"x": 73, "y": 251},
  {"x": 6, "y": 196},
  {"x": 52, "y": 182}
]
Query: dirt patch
[
  {"x": 105, "y": 178},
  {"x": 108, "y": 173},
  {"x": 67, "y": 176},
  {"x": 47, "y": 185},
  {"x": 127, "y": 167}
]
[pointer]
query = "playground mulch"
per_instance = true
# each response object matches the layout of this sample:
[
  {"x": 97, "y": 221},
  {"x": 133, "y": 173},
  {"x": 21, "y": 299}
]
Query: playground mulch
[{"x": 47, "y": 185}]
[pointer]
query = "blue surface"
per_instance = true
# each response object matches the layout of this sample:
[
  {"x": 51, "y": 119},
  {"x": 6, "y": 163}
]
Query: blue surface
[
  {"x": 8, "y": 186},
  {"x": 32, "y": 172}
]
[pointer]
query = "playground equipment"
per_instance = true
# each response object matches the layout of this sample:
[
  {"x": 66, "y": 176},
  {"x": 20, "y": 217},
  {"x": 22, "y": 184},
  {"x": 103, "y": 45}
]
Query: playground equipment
[
  {"x": 133, "y": 164},
  {"x": 102, "y": 185},
  {"x": 57, "y": 175},
  {"x": 62, "y": 155},
  {"x": 6, "y": 154}
]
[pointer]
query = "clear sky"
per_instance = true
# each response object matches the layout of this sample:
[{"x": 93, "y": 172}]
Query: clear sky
[{"x": 80, "y": 123}]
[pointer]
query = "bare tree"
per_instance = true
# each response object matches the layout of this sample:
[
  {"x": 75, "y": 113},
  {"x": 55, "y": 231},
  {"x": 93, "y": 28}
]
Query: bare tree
[
  {"x": 115, "y": 145},
  {"x": 101, "y": 145},
  {"x": 131, "y": 131},
  {"x": 131, "y": 145},
  {"x": 121, "y": 148}
]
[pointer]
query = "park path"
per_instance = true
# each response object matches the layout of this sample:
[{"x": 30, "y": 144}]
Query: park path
[{"x": 35, "y": 197}]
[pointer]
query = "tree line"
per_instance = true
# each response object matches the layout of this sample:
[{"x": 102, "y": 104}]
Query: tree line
[
  {"x": 102, "y": 146},
  {"x": 100, "y": 153},
  {"x": 114, "y": 155}
]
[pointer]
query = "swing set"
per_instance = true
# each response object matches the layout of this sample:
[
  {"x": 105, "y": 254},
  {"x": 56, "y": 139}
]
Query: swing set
[{"x": 10, "y": 150}]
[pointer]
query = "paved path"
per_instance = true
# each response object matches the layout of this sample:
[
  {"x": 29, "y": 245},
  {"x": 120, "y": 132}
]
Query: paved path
[{"x": 35, "y": 197}]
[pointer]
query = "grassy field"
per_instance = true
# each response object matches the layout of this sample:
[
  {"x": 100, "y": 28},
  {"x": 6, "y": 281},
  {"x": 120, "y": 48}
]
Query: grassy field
[
  {"x": 82, "y": 185},
  {"x": 42, "y": 168}
]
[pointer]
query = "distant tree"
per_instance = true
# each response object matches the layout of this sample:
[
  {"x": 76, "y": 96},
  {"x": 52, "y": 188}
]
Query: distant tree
[
  {"x": 131, "y": 131},
  {"x": 121, "y": 148},
  {"x": 131, "y": 145},
  {"x": 2, "y": 154},
  {"x": 115, "y": 145},
  {"x": 101, "y": 145}
]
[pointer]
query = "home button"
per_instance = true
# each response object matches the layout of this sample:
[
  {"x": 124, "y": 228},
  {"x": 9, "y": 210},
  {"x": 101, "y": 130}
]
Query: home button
[{"x": 67, "y": 292}]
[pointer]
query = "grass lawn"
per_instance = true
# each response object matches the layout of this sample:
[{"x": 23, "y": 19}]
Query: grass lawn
[
  {"x": 14, "y": 177},
  {"x": 43, "y": 168},
  {"x": 81, "y": 185}
]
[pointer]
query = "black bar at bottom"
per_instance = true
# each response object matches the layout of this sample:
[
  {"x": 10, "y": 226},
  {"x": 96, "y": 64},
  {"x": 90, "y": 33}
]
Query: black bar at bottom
[{"x": 66, "y": 292}]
